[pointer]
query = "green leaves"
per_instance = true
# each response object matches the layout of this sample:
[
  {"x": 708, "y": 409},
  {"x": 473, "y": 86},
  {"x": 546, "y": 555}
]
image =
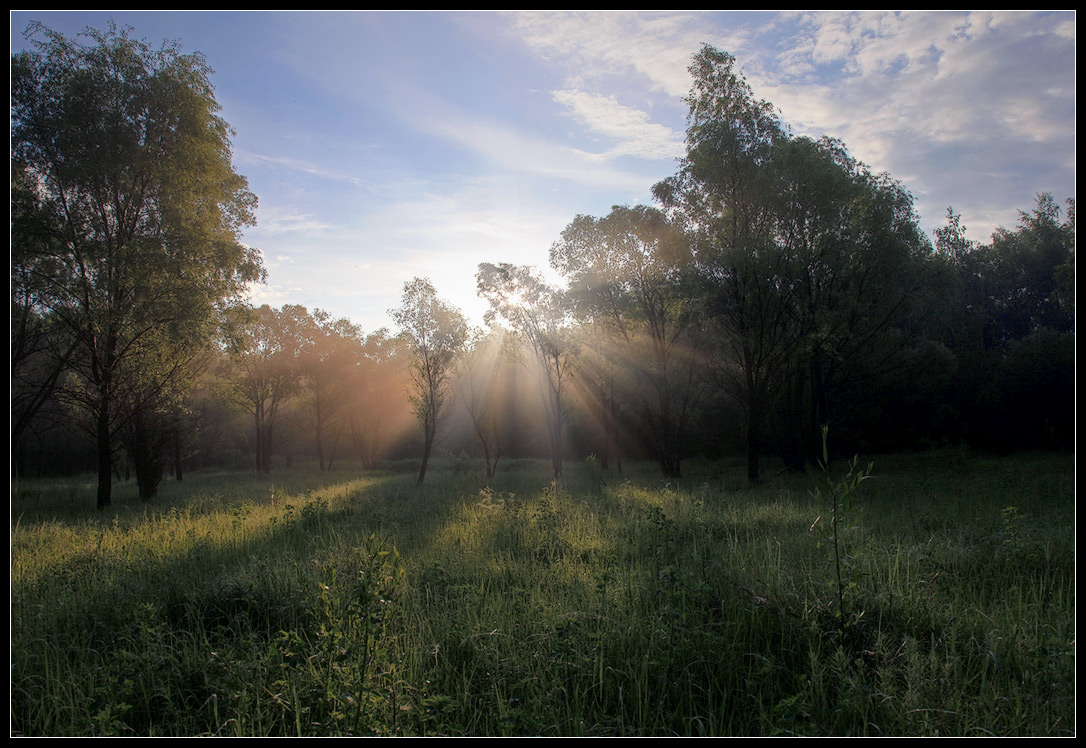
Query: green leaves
[
  {"x": 437, "y": 333},
  {"x": 133, "y": 199},
  {"x": 844, "y": 519}
]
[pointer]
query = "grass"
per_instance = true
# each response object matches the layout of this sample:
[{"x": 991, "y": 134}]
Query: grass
[{"x": 354, "y": 603}]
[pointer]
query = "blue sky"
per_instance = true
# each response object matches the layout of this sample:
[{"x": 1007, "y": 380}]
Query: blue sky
[{"x": 388, "y": 145}]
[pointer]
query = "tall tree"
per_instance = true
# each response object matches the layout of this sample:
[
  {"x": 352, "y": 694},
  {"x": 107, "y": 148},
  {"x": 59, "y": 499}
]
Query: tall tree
[
  {"x": 1011, "y": 327},
  {"x": 630, "y": 273},
  {"x": 1032, "y": 269},
  {"x": 518, "y": 296},
  {"x": 41, "y": 348},
  {"x": 861, "y": 284},
  {"x": 482, "y": 387},
  {"x": 722, "y": 196},
  {"x": 265, "y": 346},
  {"x": 132, "y": 165},
  {"x": 436, "y": 333},
  {"x": 153, "y": 401},
  {"x": 331, "y": 352},
  {"x": 814, "y": 266}
]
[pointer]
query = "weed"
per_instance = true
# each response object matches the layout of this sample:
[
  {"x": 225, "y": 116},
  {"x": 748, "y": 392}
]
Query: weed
[{"x": 845, "y": 515}]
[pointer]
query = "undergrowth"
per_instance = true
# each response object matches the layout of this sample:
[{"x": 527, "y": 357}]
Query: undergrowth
[{"x": 358, "y": 604}]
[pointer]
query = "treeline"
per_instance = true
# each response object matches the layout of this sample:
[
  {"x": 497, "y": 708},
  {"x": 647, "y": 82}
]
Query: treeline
[{"x": 779, "y": 286}]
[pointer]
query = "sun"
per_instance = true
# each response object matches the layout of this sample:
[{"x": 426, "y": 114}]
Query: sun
[{"x": 516, "y": 300}]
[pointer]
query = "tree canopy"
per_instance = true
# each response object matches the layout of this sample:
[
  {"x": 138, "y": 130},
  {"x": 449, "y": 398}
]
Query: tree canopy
[
  {"x": 436, "y": 333},
  {"x": 136, "y": 205},
  {"x": 520, "y": 297},
  {"x": 779, "y": 286}
]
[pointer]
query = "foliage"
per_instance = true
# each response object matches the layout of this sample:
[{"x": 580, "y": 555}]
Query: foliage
[
  {"x": 437, "y": 333},
  {"x": 780, "y": 285},
  {"x": 814, "y": 269},
  {"x": 330, "y": 353},
  {"x": 518, "y": 296},
  {"x": 629, "y": 276},
  {"x": 1006, "y": 298},
  {"x": 41, "y": 347},
  {"x": 136, "y": 206},
  {"x": 844, "y": 520},
  {"x": 265, "y": 347},
  {"x": 484, "y": 387}
]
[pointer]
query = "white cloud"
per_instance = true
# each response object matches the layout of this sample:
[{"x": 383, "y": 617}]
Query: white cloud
[
  {"x": 970, "y": 109},
  {"x": 631, "y": 128},
  {"x": 974, "y": 110},
  {"x": 653, "y": 47},
  {"x": 508, "y": 147},
  {"x": 273, "y": 295}
]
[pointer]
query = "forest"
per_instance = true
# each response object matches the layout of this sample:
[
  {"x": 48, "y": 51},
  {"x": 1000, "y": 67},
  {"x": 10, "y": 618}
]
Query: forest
[
  {"x": 777, "y": 287},
  {"x": 688, "y": 393}
]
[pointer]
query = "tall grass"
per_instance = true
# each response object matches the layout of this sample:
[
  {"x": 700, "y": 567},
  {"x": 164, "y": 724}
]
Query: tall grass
[{"x": 353, "y": 603}]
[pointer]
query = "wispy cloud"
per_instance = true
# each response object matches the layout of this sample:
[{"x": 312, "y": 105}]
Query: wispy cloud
[
  {"x": 634, "y": 134},
  {"x": 388, "y": 145},
  {"x": 950, "y": 103},
  {"x": 271, "y": 220},
  {"x": 299, "y": 165},
  {"x": 508, "y": 146},
  {"x": 653, "y": 47}
]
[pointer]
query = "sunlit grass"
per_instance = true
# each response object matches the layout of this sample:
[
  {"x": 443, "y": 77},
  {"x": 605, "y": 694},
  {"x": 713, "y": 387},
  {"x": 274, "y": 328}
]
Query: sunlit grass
[{"x": 356, "y": 603}]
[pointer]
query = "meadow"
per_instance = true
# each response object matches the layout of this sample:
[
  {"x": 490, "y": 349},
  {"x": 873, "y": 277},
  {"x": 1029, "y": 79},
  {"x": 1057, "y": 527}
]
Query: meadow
[{"x": 355, "y": 603}]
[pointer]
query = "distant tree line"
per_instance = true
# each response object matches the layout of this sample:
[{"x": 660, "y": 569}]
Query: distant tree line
[{"x": 777, "y": 286}]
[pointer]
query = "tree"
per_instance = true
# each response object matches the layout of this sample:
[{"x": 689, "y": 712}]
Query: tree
[
  {"x": 376, "y": 414},
  {"x": 1032, "y": 272},
  {"x": 1013, "y": 302},
  {"x": 518, "y": 296},
  {"x": 814, "y": 266},
  {"x": 630, "y": 274},
  {"x": 436, "y": 333},
  {"x": 153, "y": 401},
  {"x": 131, "y": 166},
  {"x": 265, "y": 346},
  {"x": 331, "y": 350},
  {"x": 861, "y": 282},
  {"x": 41, "y": 348},
  {"x": 1035, "y": 388},
  {"x": 482, "y": 388},
  {"x": 722, "y": 196}
]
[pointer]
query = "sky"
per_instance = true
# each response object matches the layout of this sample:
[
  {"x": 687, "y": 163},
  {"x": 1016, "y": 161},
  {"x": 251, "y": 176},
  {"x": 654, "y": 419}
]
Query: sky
[{"x": 385, "y": 146}]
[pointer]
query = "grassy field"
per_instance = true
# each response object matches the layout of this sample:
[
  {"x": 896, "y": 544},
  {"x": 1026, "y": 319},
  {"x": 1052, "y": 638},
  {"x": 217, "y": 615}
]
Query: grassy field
[{"x": 355, "y": 603}]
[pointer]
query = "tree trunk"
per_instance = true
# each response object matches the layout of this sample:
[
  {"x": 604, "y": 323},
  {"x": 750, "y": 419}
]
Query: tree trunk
[
  {"x": 265, "y": 455},
  {"x": 320, "y": 446},
  {"x": 556, "y": 434},
  {"x": 259, "y": 435},
  {"x": 335, "y": 445},
  {"x": 177, "y": 456},
  {"x": 556, "y": 449},
  {"x": 754, "y": 431},
  {"x": 427, "y": 446},
  {"x": 145, "y": 447},
  {"x": 105, "y": 452},
  {"x": 486, "y": 456},
  {"x": 754, "y": 447}
]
